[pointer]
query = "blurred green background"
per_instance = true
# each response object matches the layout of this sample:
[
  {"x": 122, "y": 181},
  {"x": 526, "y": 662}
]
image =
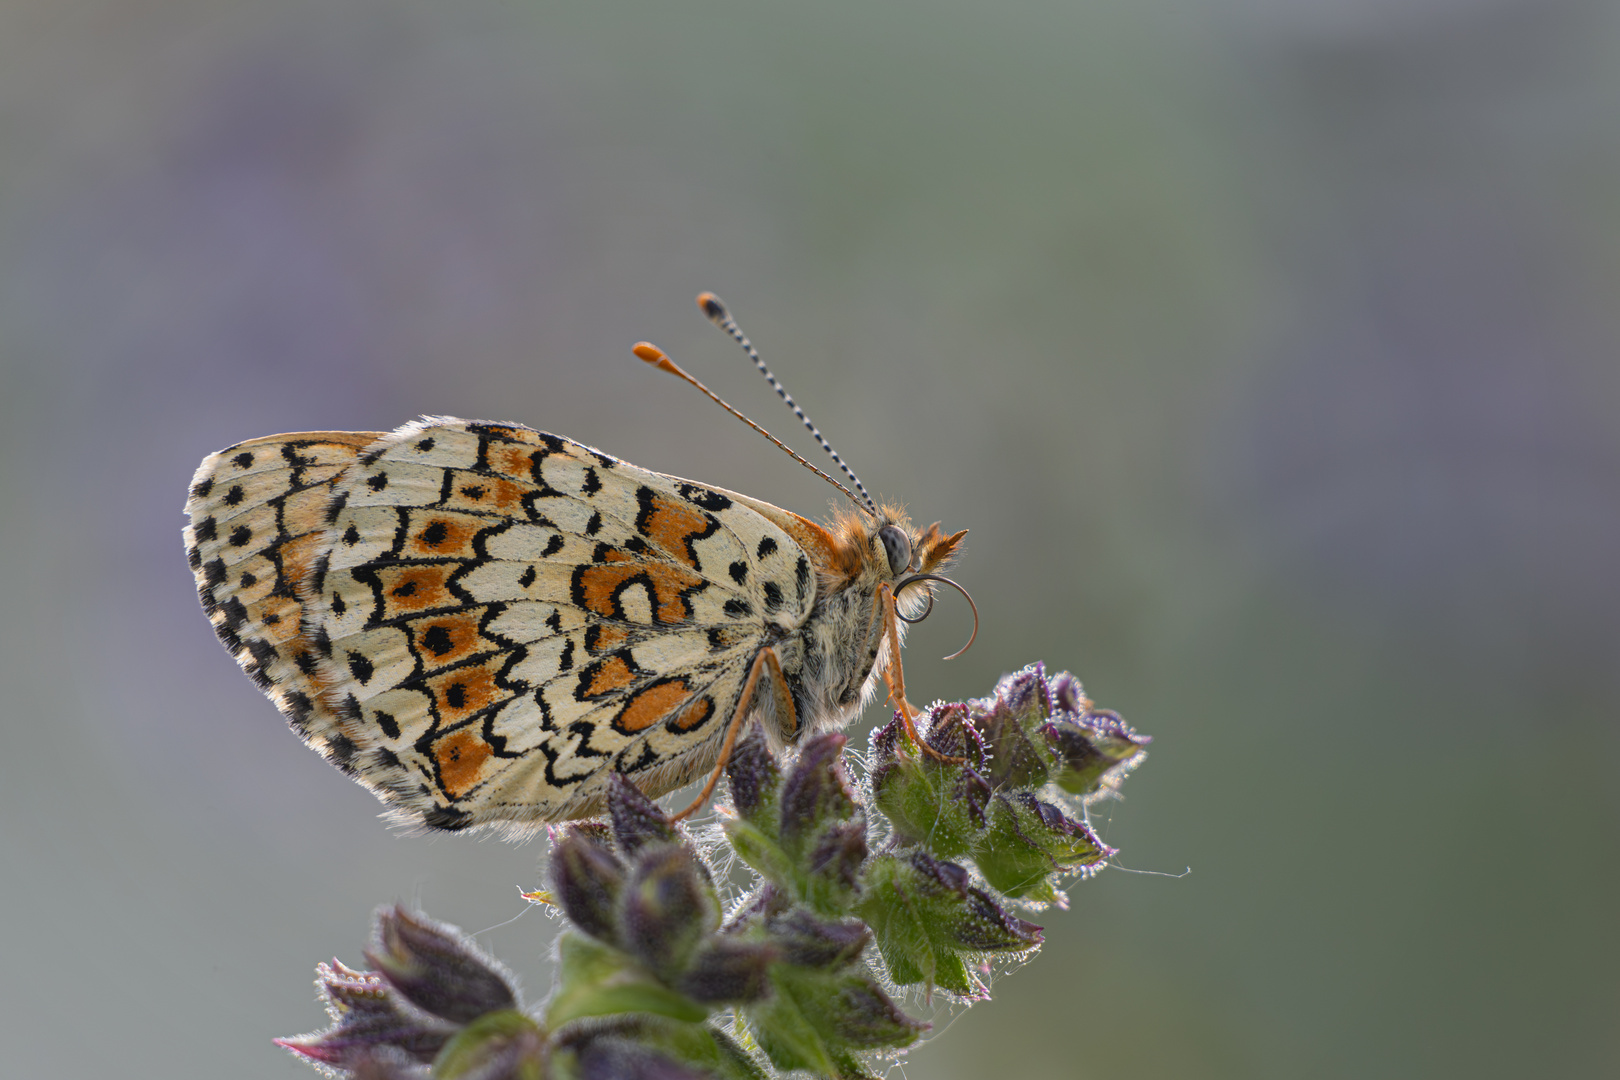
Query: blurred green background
[{"x": 1267, "y": 347}]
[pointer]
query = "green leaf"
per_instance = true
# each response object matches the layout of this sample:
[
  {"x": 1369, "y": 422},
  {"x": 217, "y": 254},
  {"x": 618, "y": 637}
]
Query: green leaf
[
  {"x": 910, "y": 918},
  {"x": 490, "y": 1034},
  {"x": 597, "y": 980},
  {"x": 756, "y": 848}
]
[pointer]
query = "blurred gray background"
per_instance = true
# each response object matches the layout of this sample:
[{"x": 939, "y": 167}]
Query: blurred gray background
[{"x": 1267, "y": 347}]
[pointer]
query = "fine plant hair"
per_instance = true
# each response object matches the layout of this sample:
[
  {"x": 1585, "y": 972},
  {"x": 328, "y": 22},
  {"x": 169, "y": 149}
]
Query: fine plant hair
[{"x": 833, "y": 898}]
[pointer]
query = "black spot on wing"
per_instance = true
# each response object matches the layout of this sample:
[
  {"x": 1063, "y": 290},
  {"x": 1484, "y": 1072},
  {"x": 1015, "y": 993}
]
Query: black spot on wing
[
  {"x": 528, "y": 575},
  {"x": 767, "y": 546},
  {"x": 361, "y": 667},
  {"x": 709, "y": 500},
  {"x": 738, "y": 571},
  {"x": 386, "y": 721},
  {"x": 438, "y": 641}
]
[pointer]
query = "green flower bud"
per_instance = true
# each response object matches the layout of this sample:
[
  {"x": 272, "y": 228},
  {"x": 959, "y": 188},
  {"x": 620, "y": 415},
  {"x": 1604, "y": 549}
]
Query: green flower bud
[
  {"x": 1089, "y": 746},
  {"x": 1028, "y": 842}
]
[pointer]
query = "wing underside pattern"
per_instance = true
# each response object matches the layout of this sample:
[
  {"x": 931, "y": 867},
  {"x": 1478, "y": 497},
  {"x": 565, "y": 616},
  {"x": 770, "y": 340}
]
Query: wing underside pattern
[{"x": 490, "y": 619}]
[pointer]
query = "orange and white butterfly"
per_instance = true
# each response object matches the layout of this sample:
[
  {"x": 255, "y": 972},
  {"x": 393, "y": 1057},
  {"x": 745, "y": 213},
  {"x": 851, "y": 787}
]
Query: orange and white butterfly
[{"x": 481, "y": 622}]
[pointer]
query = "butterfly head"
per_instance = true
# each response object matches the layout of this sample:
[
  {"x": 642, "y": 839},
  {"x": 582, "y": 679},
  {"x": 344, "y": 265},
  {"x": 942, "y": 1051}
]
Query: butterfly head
[{"x": 885, "y": 548}]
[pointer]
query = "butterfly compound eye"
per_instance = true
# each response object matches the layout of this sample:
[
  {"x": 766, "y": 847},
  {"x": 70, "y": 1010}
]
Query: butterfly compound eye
[{"x": 898, "y": 546}]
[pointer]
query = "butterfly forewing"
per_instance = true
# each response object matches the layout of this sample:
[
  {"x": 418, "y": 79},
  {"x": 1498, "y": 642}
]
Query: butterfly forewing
[{"x": 501, "y": 617}]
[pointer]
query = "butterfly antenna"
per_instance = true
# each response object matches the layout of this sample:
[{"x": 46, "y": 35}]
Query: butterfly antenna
[
  {"x": 660, "y": 360},
  {"x": 717, "y": 313}
]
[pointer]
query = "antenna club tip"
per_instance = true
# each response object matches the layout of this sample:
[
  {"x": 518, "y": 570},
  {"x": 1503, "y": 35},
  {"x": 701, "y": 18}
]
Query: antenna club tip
[
  {"x": 649, "y": 352},
  {"x": 712, "y": 307}
]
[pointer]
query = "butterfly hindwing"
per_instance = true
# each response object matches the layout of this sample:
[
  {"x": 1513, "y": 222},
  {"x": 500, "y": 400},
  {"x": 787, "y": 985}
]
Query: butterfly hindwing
[{"x": 504, "y": 616}]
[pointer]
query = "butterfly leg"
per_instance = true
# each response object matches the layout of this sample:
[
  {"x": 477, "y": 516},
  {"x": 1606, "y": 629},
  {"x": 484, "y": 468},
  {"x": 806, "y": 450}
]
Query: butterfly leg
[
  {"x": 765, "y": 661},
  {"x": 894, "y": 676}
]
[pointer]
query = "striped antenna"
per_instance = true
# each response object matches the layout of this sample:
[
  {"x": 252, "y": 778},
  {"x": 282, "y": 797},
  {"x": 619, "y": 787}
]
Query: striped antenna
[
  {"x": 659, "y": 359},
  {"x": 717, "y": 313}
]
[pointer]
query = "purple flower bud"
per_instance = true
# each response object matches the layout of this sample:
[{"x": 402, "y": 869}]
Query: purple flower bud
[
  {"x": 1088, "y": 746},
  {"x": 951, "y": 732},
  {"x": 986, "y": 925},
  {"x": 621, "y": 1059},
  {"x": 1025, "y": 691},
  {"x": 809, "y": 942},
  {"x": 387, "y": 1063},
  {"x": 816, "y": 793},
  {"x": 1007, "y": 720},
  {"x": 886, "y": 740},
  {"x": 669, "y": 907},
  {"x": 365, "y": 1018},
  {"x": 863, "y": 1016},
  {"x": 637, "y": 820},
  {"x": 838, "y": 854},
  {"x": 589, "y": 879},
  {"x": 728, "y": 970},
  {"x": 436, "y": 968},
  {"x": 1068, "y": 696},
  {"x": 975, "y": 920},
  {"x": 752, "y": 772}
]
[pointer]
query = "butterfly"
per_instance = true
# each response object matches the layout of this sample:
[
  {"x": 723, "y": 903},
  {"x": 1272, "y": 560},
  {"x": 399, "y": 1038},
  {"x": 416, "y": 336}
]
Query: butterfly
[{"x": 481, "y": 622}]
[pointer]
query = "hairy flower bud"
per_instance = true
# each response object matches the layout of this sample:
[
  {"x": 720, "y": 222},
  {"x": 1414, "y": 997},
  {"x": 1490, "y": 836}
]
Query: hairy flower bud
[
  {"x": 637, "y": 820},
  {"x": 753, "y": 774},
  {"x": 811, "y": 942},
  {"x": 436, "y": 968},
  {"x": 1030, "y": 840},
  {"x": 816, "y": 793},
  {"x": 727, "y": 970},
  {"x": 1088, "y": 747},
  {"x": 367, "y": 1019},
  {"x": 589, "y": 880},
  {"x": 834, "y": 863},
  {"x": 622, "y": 1059},
  {"x": 669, "y": 906}
]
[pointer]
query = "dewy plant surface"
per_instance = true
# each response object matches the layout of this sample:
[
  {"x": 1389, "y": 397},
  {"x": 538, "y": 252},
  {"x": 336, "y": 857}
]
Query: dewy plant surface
[{"x": 916, "y": 874}]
